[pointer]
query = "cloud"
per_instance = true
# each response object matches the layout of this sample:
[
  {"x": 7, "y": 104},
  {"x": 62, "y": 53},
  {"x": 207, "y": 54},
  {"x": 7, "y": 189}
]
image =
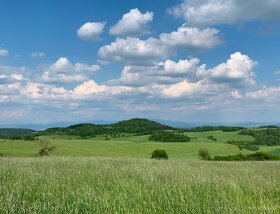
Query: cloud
[
  {"x": 237, "y": 70},
  {"x": 64, "y": 71},
  {"x": 182, "y": 88},
  {"x": 91, "y": 31},
  {"x": 44, "y": 92},
  {"x": 134, "y": 51},
  {"x": 215, "y": 12},
  {"x": 167, "y": 86},
  {"x": 5, "y": 79},
  {"x": 182, "y": 67},
  {"x": 191, "y": 39},
  {"x": 3, "y": 52},
  {"x": 265, "y": 93},
  {"x": 88, "y": 88},
  {"x": 37, "y": 55},
  {"x": 133, "y": 23}
]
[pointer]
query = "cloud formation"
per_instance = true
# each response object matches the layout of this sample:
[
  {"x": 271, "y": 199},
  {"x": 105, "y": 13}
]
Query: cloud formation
[
  {"x": 215, "y": 12},
  {"x": 238, "y": 69},
  {"x": 91, "y": 31},
  {"x": 133, "y": 23},
  {"x": 134, "y": 51},
  {"x": 169, "y": 86},
  {"x": 63, "y": 71}
]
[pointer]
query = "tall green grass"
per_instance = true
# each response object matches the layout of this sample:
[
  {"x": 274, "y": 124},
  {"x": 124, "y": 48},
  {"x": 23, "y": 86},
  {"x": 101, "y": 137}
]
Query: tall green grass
[{"x": 123, "y": 185}]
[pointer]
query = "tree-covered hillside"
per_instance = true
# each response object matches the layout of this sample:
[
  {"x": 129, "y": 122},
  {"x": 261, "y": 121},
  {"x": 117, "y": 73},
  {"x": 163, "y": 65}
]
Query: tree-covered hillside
[
  {"x": 81, "y": 130},
  {"x": 9, "y": 133},
  {"x": 137, "y": 126},
  {"x": 168, "y": 136},
  {"x": 264, "y": 136},
  {"x": 215, "y": 128}
]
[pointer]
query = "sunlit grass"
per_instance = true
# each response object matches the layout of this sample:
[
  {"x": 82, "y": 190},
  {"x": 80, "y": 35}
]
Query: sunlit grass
[{"x": 122, "y": 185}]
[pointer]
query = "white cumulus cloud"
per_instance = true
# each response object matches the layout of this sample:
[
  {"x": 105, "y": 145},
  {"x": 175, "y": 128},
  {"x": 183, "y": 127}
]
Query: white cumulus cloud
[
  {"x": 134, "y": 51},
  {"x": 65, "y": 72},
  {"x": 133, "y": 23},
  {"x": 88, "y": 88},
  {"x": 238, "y": 69},
  {"x": 91, "y": 31},
  {"x": 213, "y": 12},
  {"x": 182, "y": 88},
  {"x": 191, "y": 39}
]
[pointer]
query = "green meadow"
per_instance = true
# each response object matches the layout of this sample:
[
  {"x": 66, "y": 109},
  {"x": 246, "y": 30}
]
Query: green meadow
[
  {"x": 116, "y": 175},
  {"x": 132, "y": 146},
  {"x": 129, "y": 185}
]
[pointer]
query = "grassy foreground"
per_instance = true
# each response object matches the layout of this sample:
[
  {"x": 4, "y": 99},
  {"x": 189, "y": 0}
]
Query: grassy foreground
[{"x": 123, "y": 185}]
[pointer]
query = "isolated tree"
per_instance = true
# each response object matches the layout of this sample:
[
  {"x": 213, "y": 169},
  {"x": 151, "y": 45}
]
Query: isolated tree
[
  {"x": 46, "y": 148},
  {"x": 159, "y": 154},
  {"x": 204, "y": 154}
]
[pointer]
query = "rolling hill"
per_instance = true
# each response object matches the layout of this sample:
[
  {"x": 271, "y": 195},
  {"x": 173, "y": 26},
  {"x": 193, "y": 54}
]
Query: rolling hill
[{"x": 137, "y": 126}]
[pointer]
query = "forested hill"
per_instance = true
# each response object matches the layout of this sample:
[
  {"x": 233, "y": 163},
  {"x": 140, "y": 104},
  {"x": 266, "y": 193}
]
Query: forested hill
[
  {"x": 82, "y": 130},
  {"x": 137, "y": 126},
  {"x": 15, "y": 133}
]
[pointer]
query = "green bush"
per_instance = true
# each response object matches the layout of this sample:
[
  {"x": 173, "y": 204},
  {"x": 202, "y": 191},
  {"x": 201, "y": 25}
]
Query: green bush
[
  {"x": 204, "y": 154},
  {"x": 168, "y": 136},
  {"x": 1, "y": 154},
  {"x": 159, "y": 154},
  {"x": 46, "y": 148},
  {"x": 258, "y": 156},
  {"x": 261, "y": 156}
]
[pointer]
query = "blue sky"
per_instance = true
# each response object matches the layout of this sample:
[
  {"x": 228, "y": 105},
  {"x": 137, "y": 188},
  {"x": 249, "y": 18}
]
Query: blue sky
[{"x": 185, "y": 60}]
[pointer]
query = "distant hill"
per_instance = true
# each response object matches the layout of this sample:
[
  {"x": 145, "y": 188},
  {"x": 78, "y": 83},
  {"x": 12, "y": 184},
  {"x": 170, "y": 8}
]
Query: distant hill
[
  {"x": 137, "y": 126},
  {"x": 14, "y": 133},
  {"x": 82, "y": 130}
]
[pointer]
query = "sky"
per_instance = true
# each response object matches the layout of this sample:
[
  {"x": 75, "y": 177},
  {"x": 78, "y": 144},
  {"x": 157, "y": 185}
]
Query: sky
[{"x": 184, "y": 60}]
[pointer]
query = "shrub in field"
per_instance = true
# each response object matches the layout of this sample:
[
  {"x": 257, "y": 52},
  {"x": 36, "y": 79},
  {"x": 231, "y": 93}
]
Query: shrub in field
[
  {"x": 204, "y": 154},
  {"x": 46, "y": 148},
  {"x": 258, "y": 156},
  {"x": 1, "y": 154},
  {"x": 168, "y": 136},
  {"x": 261, "y": 156},
  {"x": 159, "y": 154}
]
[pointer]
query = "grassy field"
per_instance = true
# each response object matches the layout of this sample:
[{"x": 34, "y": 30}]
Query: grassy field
[
  {"x": 123, "y": 185},
  {"x": 132, "y": 146},
  {"x": 117, "y": 176}
]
